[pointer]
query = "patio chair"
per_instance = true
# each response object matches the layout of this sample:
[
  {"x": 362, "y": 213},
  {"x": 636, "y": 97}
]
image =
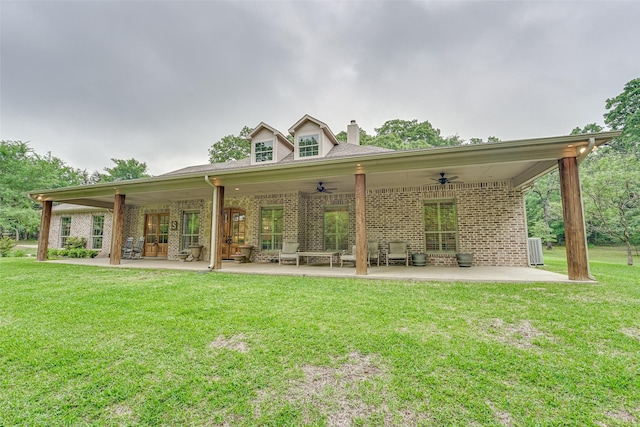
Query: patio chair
[
  {"x": 349, "y": 257},
  {"x": 398, "y": 251},
  {"x": 136, "y": 252},
  {"x": 127, "y": 249},
  {"x": 289, "y": 252},
  {"x": 373, "y": 252}
]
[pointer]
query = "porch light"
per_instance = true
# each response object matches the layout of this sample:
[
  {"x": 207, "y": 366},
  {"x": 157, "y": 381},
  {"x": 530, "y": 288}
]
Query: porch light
[
  {"x": 237, "y": 188},
  {"x": 583, "y": 149}
]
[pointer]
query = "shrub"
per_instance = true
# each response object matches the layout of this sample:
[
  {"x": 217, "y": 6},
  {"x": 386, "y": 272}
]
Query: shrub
[
  {"x": 52, "y": 253},
  {"x": 72, "y": 253},
  {"x": 18, "y": 253},
  {"x": 6, "y": 244},
  {"x": 75, "y": 243}
]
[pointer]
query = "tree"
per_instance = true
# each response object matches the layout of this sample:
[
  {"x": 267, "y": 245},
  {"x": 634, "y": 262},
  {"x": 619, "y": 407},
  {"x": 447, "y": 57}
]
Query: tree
[
  {"x": 409, "y": 134},
  {"x": 612, "y": 197},
  {"x": 546, "y": 192},
  {"x": 231, "y": 147},
  {"x": 590, "y": 128},
  {"x": 123, "y": 170},
  {"x": 624, "y": 114},
  {"x": 22, "y": 170},
  {"x": 365, "y": 138}
]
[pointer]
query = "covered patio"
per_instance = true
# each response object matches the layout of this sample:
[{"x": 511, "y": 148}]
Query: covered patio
[
  {"x": 396, "y": 272},
  {"x": 474, "y": 207}
]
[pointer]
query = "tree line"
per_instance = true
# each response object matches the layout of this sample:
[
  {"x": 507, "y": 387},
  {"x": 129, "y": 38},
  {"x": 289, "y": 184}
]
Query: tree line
[{"x": 22, "y": 170}]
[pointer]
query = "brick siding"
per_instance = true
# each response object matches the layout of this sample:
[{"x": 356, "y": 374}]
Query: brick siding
[{"x": 491, "y": 221}]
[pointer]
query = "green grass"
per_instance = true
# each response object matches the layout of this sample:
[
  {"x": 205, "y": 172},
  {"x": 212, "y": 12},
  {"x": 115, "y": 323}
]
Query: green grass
[{"x": 98, "y": 346}]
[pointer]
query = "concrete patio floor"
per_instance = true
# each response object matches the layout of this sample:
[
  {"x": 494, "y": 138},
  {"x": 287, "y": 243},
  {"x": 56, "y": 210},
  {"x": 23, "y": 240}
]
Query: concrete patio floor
[{"x": 396, "y": 272}]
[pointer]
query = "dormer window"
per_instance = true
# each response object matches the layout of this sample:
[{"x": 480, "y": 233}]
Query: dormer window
[
  {"x": 308, "y": 145},
  {"x": 264, "y": 151}
]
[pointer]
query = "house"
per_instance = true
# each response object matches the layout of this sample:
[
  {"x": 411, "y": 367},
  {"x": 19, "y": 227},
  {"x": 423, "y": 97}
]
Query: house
[{"x": 328, "y": 195}]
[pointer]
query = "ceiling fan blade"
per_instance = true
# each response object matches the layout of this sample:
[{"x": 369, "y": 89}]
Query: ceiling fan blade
[{"x": 451, "y": 178}]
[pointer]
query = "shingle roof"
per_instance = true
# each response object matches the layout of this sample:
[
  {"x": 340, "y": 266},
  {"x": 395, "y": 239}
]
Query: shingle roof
[{"x": 340, "y": 150}]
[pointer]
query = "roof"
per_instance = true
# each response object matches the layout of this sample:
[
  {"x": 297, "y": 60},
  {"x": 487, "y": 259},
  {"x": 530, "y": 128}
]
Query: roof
[
  {"x": 518, "y": 162},
  {"x": 338, "y": 151}
]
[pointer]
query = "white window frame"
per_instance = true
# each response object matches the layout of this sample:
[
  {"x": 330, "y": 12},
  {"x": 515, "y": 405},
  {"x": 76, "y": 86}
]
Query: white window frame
[
  {"x": 265, "y": 151},
  {"x": 188, "y": 239},
  {"x": 299, "y": 147},
  {"x": 63, "y": 236},
  {"x": 93, "y": 231}
]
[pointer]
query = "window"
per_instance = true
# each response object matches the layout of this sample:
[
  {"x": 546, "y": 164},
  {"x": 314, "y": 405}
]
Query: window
[
  {"x": 190, "y": 229},
  {"x": 440, "y": 225},
  {"x": 336, "y": 228},
  {"x": 308, "y": 145},
  {"x": 65, "y": 230},
  {"x": 271, "y": 226},
  {"x": 96, "y": 232},
  {"x": 264, "y": 151}
]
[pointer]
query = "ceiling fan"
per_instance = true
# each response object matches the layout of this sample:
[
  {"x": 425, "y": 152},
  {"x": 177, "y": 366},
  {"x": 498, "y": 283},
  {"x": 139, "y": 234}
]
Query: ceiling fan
[
  {"x": 322, "y": 189},
  {"x": 444, "y": 180}
]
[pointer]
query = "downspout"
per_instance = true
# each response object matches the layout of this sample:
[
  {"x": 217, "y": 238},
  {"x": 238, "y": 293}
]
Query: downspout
[
  {"x": 583, "y": 154},
  {"x": 214, "y": 224}
]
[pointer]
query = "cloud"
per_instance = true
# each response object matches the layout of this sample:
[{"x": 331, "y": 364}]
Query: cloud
[{"x": 161, "y": 81}]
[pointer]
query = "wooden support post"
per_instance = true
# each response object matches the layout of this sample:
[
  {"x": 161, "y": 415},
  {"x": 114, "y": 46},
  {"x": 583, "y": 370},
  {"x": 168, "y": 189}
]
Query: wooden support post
[
  {"x": 117, "y": 229},
  {"x": 361, "y": 224},
  {"x": 45, "y": 224},
  {"x": 574, "y": 232},
  {"x": 218, "y": 210}
]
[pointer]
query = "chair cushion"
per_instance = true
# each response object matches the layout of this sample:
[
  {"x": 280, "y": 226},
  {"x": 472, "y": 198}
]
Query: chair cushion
[
  {"x": 290, "y": 248},
  {"x": 397, "y": 247},
  {"x": 397, "y": 256}
]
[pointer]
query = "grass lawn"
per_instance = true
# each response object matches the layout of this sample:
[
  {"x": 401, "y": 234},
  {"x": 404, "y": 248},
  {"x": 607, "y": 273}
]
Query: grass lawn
[{"x": 98, "y": 346}]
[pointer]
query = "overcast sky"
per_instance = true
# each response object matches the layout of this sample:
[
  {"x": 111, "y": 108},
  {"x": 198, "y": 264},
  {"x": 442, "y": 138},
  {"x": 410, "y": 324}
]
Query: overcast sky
[{"x": 160, "y": 81}]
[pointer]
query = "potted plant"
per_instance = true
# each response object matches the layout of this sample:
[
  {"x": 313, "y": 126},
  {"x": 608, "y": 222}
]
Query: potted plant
[
  {"x": 195, "y": 251},
  {"x": 464, "y": 260},
  {"x": 419, "y": 260},
  {"x": 246, "y": 250}
]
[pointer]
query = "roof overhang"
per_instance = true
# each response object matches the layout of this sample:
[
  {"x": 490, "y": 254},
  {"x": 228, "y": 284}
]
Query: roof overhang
[{"x": 519, "y": 162}]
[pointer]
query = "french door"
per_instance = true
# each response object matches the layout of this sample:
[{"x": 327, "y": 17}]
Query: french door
[
  {"x": 234, "y": 231},
  {"x": 156, "y": 235}
]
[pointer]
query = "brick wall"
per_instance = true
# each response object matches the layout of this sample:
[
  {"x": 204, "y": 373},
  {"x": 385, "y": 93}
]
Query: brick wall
[
  {"x": 491, "y": 220},
  {"x": 81, "y": 226}
]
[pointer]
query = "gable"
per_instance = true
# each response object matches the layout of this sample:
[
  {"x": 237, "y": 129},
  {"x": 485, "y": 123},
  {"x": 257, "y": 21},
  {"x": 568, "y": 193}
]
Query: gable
[
  {"x": 312, "y": 138},
  {"x": 268, "y": 145}
]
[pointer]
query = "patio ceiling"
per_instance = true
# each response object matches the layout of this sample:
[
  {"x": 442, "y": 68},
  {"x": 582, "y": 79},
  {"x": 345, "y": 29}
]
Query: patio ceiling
[{"x": 518, "y": 162}]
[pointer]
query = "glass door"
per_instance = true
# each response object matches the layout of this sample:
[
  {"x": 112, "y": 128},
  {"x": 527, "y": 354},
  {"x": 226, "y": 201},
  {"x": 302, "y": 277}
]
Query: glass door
[
  {"x": 156, "y": 236},
  {"x": 234, "y": 231}
]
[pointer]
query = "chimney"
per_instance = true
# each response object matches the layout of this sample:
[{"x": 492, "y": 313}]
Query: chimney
[{"x": 353, "y": 133}]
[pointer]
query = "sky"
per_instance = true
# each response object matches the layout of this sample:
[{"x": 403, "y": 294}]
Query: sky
[{"x": 161, "y": 81}]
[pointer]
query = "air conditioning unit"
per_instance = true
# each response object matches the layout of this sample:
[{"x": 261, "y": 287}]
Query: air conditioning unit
[{"x": 535, "y": 251}]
